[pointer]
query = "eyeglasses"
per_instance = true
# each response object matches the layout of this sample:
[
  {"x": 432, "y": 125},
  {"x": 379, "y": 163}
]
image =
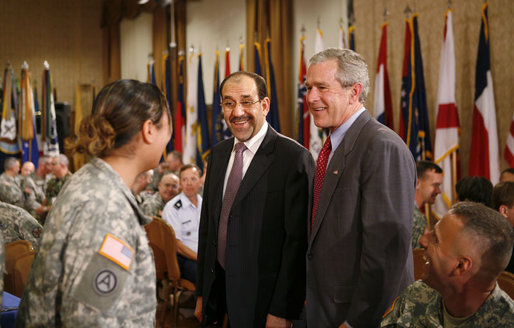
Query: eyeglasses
[{"x": 228, "y": 105}]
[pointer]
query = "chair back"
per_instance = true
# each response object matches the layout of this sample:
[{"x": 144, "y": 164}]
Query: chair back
[
  {"x": 506, "y": 282},
  {"x": 162, "y": 242},
  {"x": 417, "y": 256},
  {"x": 13, "y": 251},
  {"x": 21, "y": 271}
]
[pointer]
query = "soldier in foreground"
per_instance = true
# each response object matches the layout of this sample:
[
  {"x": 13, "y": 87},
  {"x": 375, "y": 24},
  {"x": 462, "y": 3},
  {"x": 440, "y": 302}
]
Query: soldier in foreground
[
  {"x": 95, "y": 267},
  {"x": 465, "y": 254}
]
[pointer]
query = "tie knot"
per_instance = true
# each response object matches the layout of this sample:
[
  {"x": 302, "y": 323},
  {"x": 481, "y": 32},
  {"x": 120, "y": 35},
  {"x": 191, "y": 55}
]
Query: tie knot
[{"x": 240, "y": 147}]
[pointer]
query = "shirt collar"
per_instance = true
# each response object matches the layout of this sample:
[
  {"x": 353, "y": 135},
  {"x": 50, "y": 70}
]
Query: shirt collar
[
  {"x": 337, "y": 136},
  {"x": 255, "y": 142}
]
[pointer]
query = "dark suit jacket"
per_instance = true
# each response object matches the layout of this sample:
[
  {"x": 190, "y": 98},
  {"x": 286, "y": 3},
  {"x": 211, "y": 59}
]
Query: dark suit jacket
[
  {"x": 266, "y": 232},
  {"x": 359, "y": 256}
]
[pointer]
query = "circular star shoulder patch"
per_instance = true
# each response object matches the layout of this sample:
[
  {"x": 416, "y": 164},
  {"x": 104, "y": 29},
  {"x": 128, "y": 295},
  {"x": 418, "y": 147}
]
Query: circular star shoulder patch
[{"x": 105, "y": 282}]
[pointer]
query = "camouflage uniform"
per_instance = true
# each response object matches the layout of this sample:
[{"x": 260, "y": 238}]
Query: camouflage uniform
[
  {"x": 16, "y": 224},
  {"x": 153, "y": 206},
  {"x": 418, "y": 228},
  {"x": 95, "y": 267},
  {"x": 421, "y": 306},
  {"x": 10, "y": 190},
  {"x": 2, "y": 266},
  {"x": 53, "y": 187},
  {"x": 34, "y": 188}
]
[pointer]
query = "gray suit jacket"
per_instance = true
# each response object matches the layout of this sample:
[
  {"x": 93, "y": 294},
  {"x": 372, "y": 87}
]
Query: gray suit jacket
[{"x": 359, "y": 256}]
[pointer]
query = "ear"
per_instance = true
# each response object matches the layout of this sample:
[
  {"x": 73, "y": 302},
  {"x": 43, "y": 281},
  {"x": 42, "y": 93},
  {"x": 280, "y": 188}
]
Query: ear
[
  {"x": 356, "y": 92},
  {"x": 265, "y": 105},
  {"x": 503, "y": 210},
  {"x": 148, "y": 132},
  {"x": 464, "y": 265}
]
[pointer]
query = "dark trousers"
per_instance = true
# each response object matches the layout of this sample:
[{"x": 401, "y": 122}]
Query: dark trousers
[
  {"x": 187, "y": 268},
  {"x": 215, "y": 312}
]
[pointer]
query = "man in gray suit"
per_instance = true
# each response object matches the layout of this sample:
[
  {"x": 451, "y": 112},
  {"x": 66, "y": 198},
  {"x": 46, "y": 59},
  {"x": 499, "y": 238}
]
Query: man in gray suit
[{"x": 359, "y": 256}]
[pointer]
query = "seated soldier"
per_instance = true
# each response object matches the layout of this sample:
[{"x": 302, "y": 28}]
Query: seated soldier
[
  {"x": 474, "y": 189},
  {"x": 139, "y": 186},
  {"x": 172, "y": 164},
  {"x": 10, "y": 187},
  {"x": 507, "y": 175},
  {"x": 34, "y": 185},
  {"x": 16, "y": 224},
  {"x": 27, "y": 168},
  {"x": 503, "y": 201},
  {"x": 428, "y": 186},
  {"x": 167, "y": 189},
  {"x": 465, "y": 254},
  {"x": 182, "y": 213}
]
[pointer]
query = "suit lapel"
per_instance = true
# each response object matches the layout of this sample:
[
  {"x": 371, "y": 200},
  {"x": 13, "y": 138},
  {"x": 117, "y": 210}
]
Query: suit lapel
[
  {"x": 259, "y": 164},
  {"x": 219, "y": 169},
  {"x": 335, "y": 170}
]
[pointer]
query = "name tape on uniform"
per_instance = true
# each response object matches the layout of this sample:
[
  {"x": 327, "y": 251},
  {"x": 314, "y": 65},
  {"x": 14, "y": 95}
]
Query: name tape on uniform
[{"x": 117, "y": 251}]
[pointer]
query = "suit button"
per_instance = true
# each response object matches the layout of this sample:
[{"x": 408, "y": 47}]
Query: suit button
[
  {"x": 310, "y": 256},
  {"x": 212, "y": 270},
  {"x": 214, "y": 243}
]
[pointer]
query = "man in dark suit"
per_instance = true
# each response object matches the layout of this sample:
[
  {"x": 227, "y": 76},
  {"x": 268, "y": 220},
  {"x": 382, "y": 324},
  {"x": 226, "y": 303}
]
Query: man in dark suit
[
  {"x": 251, "y": 254},
  {"x": 359, "y": 256}
]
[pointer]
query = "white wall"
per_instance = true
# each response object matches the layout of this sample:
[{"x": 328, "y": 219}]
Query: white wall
[
  {"x": 136, "y": 45},
  {"x": 213, "y": 25}
]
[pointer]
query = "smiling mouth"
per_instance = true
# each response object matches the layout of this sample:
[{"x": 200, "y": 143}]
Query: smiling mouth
[
  {"x": 240, "y": 120},
  {"x": 319, "y": 109}
]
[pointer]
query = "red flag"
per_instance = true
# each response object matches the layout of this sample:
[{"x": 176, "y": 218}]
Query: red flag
[
  {"x": 304, "y": 118},
  {"x": 484, "y": 157},
  {"x": 447, "y": 125},
  {"x": 509, "y": 146},
  {"x": 383, "y": 105},
  {"x": 227, "y": 62}
]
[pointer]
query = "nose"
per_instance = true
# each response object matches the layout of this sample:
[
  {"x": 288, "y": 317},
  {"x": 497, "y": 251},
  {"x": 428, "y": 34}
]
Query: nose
[
  {"x": 312, "y": 95},
  {"x": 238, "y": 110}
]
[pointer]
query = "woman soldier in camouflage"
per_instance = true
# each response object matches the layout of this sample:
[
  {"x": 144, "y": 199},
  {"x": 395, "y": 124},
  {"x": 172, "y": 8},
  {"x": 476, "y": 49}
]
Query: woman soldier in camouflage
[{"x": 94, "y": 267}]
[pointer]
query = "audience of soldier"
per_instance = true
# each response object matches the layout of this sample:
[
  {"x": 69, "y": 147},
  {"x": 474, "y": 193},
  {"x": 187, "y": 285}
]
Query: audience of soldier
[
  {"x": 172, "y": 164},
  {"x": 34, "y": 186},
  {"x": 168, "y": 188},
  {"x": 465, "y": 253},
  {"x": 474, "y": 189},
  {"x": 507, "y": 175},
  {"x": 16, "y": 223},
  {"x": 502, "y": 200},
  {"x": 10, "y": 186},
  {"x": 139, "y": 186},
  {"x": 27, "y": 168},
  {"x": 182, "y": 213},
  {"x": 430, "y": 177}
]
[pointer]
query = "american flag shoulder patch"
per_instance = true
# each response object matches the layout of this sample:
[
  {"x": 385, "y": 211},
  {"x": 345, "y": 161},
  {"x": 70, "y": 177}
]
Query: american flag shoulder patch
[{"x": 117, "y": 251}]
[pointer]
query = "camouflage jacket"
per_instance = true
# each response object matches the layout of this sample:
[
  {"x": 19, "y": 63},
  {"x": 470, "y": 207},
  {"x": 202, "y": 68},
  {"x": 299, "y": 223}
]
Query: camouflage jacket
[
  {"x": 418, "y": 227},
  {"x": 10, "y": 190},
  {"x": 16, "y": 224},
  {"x": 34, "y": 189},
  {"x": 94, "y": 267},
  {"x": 2, "y": 265},
  {"x": 421, "y": 306},
  {"x": 153, "y": 206},
  {"x": 54, "y": 186}
]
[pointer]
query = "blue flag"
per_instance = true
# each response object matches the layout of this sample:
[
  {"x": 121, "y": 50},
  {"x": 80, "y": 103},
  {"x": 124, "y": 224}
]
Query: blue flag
[
  {"x": 167, "y": 89},
  {"x": 202, "y": 137},
  {"x": 273, "y": 116}
]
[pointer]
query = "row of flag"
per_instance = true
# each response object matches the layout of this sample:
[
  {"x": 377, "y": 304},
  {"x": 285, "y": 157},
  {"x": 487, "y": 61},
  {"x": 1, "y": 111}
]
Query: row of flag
[
  {"x": 18, "y": 131},
  {"x": 414, "y": 124},
  {"x": 192, "y": 135}
]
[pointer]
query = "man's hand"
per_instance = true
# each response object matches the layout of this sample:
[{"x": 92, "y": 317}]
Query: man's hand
[
  {"x": 198, "y": 308},
  {"x": 276, "y": 322}
]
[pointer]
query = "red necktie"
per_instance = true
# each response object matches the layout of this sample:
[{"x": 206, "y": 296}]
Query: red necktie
[{"x": 321, "y": 167}]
